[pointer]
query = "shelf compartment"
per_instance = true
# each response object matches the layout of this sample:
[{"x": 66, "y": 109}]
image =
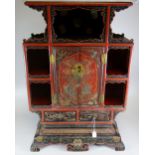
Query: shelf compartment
[
  {"x": 43, "y": 80},
  {"x": 38, "y": 62},
  {"x": 40, "y": 94},
  {"x": 115, "y": 94},
  {"x": 78, "y": 24},
  {"x": 118, "y": 62}
]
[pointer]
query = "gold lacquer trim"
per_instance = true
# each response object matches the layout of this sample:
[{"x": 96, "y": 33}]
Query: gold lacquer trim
[
  {"x": 104, "y": 58},
  {"x": 39, "y": 138},
  {"x": 77, "y": 142},
  {"x": 116, "y": 139},
  {"x": 78, "y": 70},
  {"x": 52, "y": 59},
  {"x": 76, "y": 131},
  {"x": 54, "y": 99},
  {"x": 101, "y": 98}
]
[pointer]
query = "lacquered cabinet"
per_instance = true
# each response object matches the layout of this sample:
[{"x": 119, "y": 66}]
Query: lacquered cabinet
[{"x": 77, "y": 74}]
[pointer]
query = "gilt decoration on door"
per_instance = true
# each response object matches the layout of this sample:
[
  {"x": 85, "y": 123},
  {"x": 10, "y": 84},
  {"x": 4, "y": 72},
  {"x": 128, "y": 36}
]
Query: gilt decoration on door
[{"x": 78, "y": 80}]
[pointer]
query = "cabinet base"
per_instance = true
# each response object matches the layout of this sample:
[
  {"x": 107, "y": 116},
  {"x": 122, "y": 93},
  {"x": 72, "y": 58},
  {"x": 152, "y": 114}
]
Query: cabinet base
[{"x": 77, "y": 137}]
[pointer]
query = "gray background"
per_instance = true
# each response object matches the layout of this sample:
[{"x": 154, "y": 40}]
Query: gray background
[{"x": 30, "y": 21}]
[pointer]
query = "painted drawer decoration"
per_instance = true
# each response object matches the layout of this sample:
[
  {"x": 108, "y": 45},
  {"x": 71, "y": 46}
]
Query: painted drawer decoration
[
  {"x": 60, "y": 116},
  {"x": 94, "y": 115}
]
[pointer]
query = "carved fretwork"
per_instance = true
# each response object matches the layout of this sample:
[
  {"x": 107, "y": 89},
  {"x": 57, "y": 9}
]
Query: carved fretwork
[
  {"x": 113, "y": 38},
  {"x": 117, "y": 38},
  {"x": 116, "y": 9},
  {"x": 77, "y": 145},
  {"x": 42, "y": 37}
]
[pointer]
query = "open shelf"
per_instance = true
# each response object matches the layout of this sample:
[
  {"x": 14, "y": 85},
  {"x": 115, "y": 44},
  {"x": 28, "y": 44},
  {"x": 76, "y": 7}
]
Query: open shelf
[
  {"x": 78, "y": 24},
  {"x": 38, "y": 62},
  {"x": 118, "y": 62},
  {"x": 40, "y": 94},
  {"x": 115, "y": 94}
]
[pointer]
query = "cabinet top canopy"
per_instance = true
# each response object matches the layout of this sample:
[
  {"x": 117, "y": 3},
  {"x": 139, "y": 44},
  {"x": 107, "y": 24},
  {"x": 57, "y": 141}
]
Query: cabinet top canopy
[{"x": 80, "y": 3}]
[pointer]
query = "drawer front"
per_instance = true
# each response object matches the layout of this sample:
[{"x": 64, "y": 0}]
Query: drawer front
[
  {"x": 95, "y": 115},
  {"x": 60, "y": 116}
]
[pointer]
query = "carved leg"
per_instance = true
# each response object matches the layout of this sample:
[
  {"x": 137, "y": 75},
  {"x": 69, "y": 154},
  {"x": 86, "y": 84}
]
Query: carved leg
[
  {"x": 34, "y": 148},
  {"x": 115, "y": 143},
  {"x": 120, "y": 147},
  {"x": 77, "y": 145}
]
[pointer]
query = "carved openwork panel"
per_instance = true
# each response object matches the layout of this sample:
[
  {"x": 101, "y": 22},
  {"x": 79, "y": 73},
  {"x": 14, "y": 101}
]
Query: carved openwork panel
[
  {"x": 117, "y": 38},
  {"x": 60, "y": 116},
  {"x": 77, "y": 77},
  {"x": 41, "y": 37}
]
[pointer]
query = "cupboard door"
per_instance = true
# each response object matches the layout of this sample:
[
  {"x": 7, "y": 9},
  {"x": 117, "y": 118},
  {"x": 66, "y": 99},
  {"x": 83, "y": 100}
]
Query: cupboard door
[{"x": 77, "y": 75}]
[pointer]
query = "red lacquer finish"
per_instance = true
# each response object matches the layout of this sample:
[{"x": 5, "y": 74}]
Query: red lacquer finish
[
  {"x": 77, "y": 70},
  {"x": 71, "y": 3}
]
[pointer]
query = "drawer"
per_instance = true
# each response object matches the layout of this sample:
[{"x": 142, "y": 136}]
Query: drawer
[
  {"x": 98, "y": 115},
  {"x": 60, "y": 116}
]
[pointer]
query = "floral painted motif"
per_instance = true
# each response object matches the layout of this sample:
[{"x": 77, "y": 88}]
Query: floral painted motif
[
  {"x": 78, "y": 78},
  {"x": 77, "y": 74}
]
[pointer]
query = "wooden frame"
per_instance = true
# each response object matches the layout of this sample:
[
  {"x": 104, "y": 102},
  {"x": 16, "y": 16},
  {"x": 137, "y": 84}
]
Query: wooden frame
[{"x": 50, "y": 45}]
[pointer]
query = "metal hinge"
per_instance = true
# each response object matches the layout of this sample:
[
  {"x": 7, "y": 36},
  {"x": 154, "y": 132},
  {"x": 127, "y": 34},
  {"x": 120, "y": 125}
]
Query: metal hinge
[
  {"x": 101, "y": 98},
  {"x": 52, "y": 59},
  {"x": 104, "y": 58}
]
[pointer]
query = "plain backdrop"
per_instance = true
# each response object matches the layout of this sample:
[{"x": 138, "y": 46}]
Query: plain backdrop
[{"x": 30, "y": 21}]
